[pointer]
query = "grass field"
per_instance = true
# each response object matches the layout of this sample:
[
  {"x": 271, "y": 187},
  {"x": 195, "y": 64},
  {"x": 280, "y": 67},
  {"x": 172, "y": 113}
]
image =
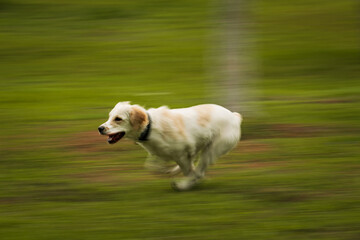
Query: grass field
[{"x": 64, "y": 64}]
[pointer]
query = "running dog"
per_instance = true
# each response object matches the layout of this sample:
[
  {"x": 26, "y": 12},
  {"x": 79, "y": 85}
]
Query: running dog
[{"x": 192, "y": 137}]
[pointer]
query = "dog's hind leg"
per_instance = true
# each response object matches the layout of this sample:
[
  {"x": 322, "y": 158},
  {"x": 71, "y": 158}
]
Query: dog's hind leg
[{"x": 212, "y": 152}]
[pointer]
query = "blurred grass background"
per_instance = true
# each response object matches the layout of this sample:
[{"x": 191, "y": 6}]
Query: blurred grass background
[{"x": 64, "y": 64}]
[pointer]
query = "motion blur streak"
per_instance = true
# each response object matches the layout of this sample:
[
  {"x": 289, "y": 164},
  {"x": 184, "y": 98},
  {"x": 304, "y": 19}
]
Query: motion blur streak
[{"x": 290, "y": 67}]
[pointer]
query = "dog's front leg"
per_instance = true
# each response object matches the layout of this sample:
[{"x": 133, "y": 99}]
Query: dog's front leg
[
  {"x": 155, "y": 164},
  {"x": 187, "y": 167}
]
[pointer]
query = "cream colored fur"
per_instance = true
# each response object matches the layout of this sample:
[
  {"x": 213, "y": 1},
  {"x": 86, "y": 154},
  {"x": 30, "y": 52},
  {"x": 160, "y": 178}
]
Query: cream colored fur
[{"x": 191, "y": 137}]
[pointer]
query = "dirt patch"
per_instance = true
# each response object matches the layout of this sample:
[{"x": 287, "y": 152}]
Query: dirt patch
[
  {"x": 282, "y": 195},
  {"x": 11, "y": 200},
  {"x": 288, "y": 131},
  {"x": 248, "y": 146},
  {"x": 298, "y": 130},
  {"x": 96, "y": 177},
  {"x": 115, "y": 176},
  {"x": 93, "y": 142}
]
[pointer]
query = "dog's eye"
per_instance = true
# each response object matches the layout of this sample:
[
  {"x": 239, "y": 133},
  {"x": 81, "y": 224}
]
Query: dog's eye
[{"x": 117, "y": 119}]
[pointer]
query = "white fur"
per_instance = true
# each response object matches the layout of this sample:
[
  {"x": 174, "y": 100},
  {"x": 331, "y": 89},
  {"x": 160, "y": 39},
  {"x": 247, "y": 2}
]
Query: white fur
[{"x": 186, "y": 136}]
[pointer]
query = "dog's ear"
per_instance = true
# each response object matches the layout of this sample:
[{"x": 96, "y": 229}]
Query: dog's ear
[{"x": 138, "y": 117}]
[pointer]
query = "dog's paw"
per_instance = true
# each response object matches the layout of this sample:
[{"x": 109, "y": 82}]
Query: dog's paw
[
  {"x": 183, "y": 184},
  {"x": 174, "y": 186}
]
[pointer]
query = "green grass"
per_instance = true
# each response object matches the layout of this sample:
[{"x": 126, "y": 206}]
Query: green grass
[{"x": 64, "y": 64}]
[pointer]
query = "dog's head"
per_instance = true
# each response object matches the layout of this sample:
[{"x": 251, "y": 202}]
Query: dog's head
[{"x": 124, "y": 120}]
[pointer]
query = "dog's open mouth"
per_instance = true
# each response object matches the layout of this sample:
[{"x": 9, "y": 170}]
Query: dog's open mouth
[{"x": 113, "y": 138}]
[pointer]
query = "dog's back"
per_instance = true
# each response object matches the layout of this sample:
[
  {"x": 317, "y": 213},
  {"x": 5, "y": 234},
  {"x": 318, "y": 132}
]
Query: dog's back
[{"x": 197, "y": 127}]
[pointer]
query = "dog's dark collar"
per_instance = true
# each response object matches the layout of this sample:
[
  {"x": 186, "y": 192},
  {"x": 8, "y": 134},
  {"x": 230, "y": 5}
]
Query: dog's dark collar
[{"x": 145, "y": 134}]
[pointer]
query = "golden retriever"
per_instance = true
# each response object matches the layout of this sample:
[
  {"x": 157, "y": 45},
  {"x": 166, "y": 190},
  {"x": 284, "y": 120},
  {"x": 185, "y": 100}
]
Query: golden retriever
[{"x": 186, "y": 136}]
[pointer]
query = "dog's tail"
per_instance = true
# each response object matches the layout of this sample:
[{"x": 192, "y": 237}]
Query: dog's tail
[{"x": 239, "y": 116}]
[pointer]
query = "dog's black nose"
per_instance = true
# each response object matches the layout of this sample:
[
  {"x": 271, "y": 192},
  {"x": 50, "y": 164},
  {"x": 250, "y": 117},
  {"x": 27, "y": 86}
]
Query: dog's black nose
[{"x": 101, "y": 129}]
